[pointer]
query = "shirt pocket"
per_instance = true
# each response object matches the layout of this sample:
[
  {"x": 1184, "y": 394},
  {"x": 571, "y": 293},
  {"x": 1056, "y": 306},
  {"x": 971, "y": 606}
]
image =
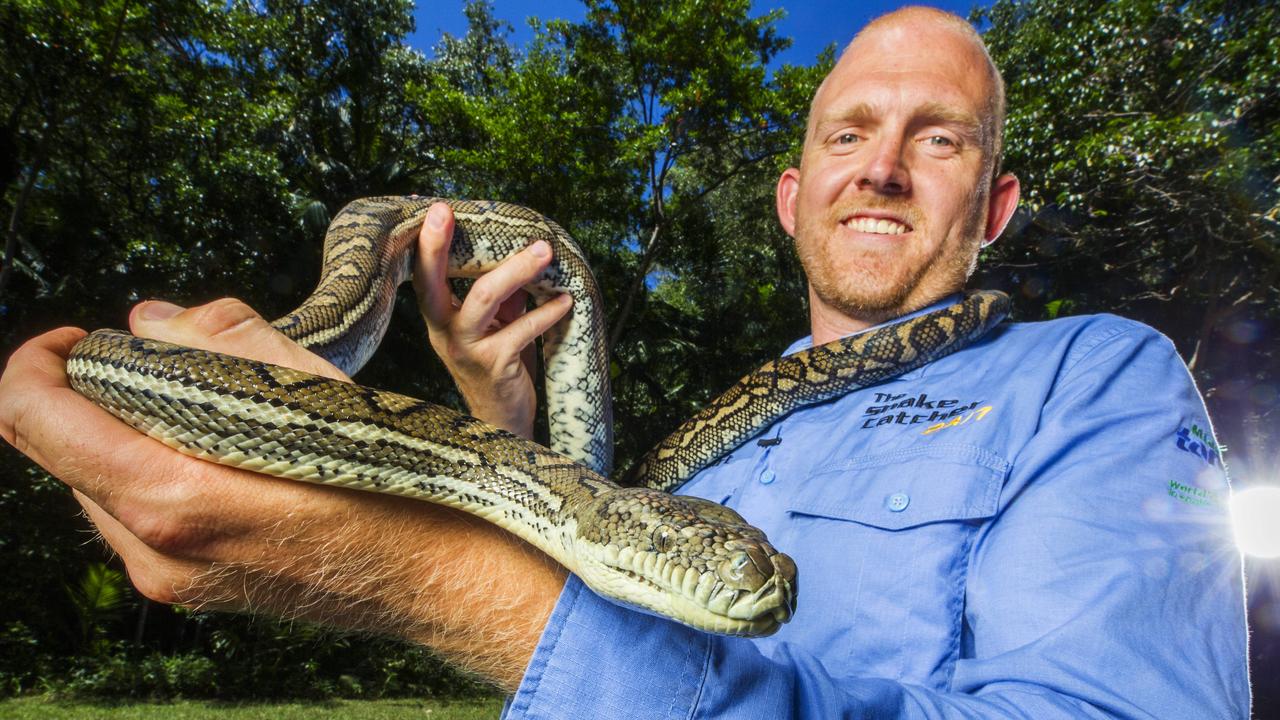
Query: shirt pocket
[{"x": 882, "y": 542}]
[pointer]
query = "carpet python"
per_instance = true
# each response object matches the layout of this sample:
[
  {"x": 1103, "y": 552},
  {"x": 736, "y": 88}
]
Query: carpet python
[{"x": 676, "y": 556}]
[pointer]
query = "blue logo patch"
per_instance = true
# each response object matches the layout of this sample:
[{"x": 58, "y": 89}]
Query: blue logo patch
[{"x": 1199, "y": 443}]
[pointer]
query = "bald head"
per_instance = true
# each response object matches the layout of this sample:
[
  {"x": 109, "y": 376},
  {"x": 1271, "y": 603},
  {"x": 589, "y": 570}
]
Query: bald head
[
  {"x": 910, "y": 30},
  {"x": 896, "y": 192}
]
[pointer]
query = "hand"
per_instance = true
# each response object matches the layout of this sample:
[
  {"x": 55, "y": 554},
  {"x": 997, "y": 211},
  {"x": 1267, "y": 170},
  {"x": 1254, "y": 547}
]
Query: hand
[
  {"x": 197, "y": 533},
  {"x": 486, "y": 342}
]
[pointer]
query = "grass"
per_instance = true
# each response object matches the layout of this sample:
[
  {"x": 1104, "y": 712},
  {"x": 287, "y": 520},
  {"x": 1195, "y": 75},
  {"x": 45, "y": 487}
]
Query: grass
[{"x": 41, "y": 708}]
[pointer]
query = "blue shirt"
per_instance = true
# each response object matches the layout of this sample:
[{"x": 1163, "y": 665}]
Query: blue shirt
[{"x": 1034, "y": 526}]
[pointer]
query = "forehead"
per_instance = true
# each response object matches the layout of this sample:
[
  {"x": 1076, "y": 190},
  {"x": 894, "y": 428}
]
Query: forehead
[{"x": 904, "y": 67}]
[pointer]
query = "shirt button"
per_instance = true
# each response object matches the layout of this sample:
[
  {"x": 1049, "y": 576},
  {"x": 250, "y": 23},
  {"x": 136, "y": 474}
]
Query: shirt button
[
  {"x": 767, "y": 477},
  {"x": 899, "y": 502}
]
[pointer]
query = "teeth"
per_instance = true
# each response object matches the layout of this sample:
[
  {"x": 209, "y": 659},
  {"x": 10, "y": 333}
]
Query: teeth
[
  {"x": 721, "y": 599},
  {"x": 703, "y": 590},
  {"x": 879, "y": 227}
]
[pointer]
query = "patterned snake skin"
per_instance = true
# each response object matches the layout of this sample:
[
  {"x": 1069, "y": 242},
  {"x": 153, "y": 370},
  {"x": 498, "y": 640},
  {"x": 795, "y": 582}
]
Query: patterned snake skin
[{"x": 684, "y": 558}]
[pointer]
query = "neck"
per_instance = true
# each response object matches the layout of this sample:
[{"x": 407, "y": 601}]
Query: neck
[{"x": 827, "y": 323}]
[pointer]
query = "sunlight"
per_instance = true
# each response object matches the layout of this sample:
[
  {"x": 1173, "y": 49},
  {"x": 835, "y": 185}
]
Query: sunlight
[{"x": 1255, "y": 519}]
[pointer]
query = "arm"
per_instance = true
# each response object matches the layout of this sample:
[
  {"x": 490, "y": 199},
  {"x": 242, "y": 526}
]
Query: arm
[
  {"x": 1093, "y": 593},
  {"x": 196, "y": 533},
  {"x": 201, "y": 534}
]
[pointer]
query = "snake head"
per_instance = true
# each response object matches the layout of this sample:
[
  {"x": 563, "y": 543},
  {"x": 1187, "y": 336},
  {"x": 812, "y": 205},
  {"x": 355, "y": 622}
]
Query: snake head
[{"x": 684, "y": 558}]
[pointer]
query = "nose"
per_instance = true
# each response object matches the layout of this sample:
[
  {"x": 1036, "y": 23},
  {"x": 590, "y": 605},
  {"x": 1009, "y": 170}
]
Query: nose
[{"x": 884, "y": 170}]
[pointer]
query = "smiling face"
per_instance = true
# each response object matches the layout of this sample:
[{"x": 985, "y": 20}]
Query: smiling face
[{"x": 893, "y": 197}]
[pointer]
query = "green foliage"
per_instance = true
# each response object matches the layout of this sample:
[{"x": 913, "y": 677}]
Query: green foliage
[
  {"x": 268, "y": 660},
  {"x": 175, "y": 150},
  {"x": 1147, "y": 138},
  {"x": 118, "y": 674},
  {"x": 101, "y": 595}
]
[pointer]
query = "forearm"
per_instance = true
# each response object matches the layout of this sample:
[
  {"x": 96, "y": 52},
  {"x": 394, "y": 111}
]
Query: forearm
[
  {"x": 196, "y": 533},
  {"x": 478, "y": 596},
  {"x": 384, "y": 565}
]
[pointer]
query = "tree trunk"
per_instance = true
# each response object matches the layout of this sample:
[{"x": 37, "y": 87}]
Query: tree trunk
[{"x": 11, "y": 231}]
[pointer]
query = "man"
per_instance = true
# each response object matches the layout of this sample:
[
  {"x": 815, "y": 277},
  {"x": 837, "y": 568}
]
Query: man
[{"x": 1012, "y": 531}]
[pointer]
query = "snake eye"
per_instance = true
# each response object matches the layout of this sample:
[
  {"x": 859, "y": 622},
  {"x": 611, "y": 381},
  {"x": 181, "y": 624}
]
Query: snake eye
[{"x": 664, "y": 539}]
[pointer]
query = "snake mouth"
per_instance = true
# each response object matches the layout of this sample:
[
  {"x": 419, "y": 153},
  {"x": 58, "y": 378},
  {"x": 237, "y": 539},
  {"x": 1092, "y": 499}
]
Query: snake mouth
[
  {"x": 709, "y": 604},
  {"x": 685, "y": 558}
]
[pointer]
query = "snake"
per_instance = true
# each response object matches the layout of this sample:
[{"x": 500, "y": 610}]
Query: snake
[{"x": 637, "y": 544}]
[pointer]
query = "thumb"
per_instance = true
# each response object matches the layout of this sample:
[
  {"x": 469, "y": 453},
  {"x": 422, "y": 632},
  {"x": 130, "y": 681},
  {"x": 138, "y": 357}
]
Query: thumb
[
  {"x": 226, "y": 326},
  {"x": 435, "y": 299}
]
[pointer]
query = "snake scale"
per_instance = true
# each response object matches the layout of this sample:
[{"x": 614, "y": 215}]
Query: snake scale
[{"x": 676, "y": 556}]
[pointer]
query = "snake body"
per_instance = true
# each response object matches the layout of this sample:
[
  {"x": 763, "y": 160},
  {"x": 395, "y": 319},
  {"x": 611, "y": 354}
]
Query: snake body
[
  {"x": 368, "y": 249},
  {"x": 676, "y": 556}
]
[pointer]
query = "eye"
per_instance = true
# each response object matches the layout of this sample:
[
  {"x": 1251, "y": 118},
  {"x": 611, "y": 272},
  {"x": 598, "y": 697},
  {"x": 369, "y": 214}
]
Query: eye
[
  {"x": 663, "y": 538},
  {"x": 846, "y": 139},
  {"x": 939, "y": 141}
]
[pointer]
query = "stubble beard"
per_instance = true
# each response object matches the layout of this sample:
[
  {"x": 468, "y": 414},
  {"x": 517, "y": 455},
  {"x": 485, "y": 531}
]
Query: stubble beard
[{"x": 879, "y": 284}]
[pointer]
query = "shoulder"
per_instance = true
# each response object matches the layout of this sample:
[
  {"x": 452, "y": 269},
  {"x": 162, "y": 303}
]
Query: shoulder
[
  {"x": 1082, "y": 340},
  {"x": 1086, "y": 331}
]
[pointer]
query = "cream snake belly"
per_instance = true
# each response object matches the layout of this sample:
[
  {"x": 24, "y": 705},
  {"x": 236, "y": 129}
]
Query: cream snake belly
[{"x": 676, "y": 556}]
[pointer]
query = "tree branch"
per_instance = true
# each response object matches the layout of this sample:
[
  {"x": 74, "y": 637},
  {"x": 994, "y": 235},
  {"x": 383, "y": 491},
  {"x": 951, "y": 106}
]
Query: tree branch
[
  {"x": 646, "y": 262},
  {"x": 11, "y": 231}
]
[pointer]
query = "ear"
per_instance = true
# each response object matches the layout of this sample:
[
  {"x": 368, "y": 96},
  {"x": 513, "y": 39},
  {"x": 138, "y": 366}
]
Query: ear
[
  {"x": 785, "y": 198},
  {"x": 1000, "y": 206}
]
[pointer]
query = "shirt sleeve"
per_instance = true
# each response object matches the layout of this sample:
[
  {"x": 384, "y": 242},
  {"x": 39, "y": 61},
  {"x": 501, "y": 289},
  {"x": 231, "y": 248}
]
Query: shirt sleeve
[{"x": 1106, "y": 587}]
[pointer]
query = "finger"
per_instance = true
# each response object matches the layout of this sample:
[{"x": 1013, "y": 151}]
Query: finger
[
  {"x": 494, "y": 288},
  {"x": 513, "y": 307},
  {"x": 34, "y": 375},
  {"x": 435, "y": 300},
  {"x": 66, "y": 434},
  {"x": 226, "y": 326},
  {"x": 528, "y": 327}
]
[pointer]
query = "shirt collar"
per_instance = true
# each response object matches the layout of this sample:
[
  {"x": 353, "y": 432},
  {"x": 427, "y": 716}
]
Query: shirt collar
[{"x": 806, "y": 342}]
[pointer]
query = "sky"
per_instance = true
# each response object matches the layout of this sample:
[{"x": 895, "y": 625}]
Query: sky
[{"x": 812, "y": 24}]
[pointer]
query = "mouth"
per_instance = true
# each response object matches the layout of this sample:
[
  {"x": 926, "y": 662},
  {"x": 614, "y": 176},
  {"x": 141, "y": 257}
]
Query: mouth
[
  {"x": 744, "y": 614},
  {"x": 702, "y": 600},
  {"x": 876, "y": 224}
]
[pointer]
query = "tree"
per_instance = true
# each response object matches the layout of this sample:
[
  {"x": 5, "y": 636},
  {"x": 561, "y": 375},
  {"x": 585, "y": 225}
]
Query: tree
[
  {"x": 1146, "y": 135},
  {"x": 633, "y": 129},
  {"x": 159, "y": 153}
]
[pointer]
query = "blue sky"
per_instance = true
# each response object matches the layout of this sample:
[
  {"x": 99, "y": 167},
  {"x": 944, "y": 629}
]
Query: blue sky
[{"x": 812, "y": 24}]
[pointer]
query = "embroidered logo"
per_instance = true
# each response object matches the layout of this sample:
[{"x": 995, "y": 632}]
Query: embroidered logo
[
  {"x": 958, "y": 420},
  {"x": 1193, "y": 495},
  {"x": 1198, "y": 442},
  {"x": 914, "y": 409}
]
